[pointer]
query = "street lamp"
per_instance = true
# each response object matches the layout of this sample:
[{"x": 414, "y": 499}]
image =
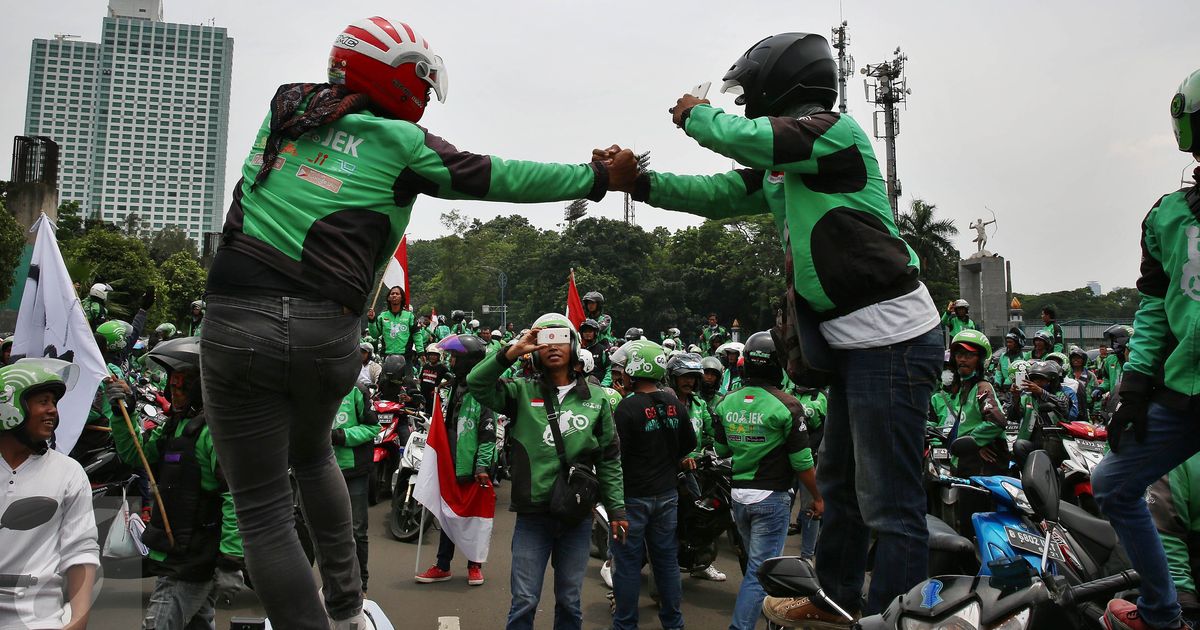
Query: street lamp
[{"x": 502, "y": 280}]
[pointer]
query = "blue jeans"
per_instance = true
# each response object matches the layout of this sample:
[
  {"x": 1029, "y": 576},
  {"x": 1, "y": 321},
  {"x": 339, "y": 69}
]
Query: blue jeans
[
  {"x": 763, "y": 527},
  {"x": 870, "y": 472},
  {"x": 179, "y": 605},
  {"x": 1120, "y": 483},
  {"x": 652, "y": 522},
  {"x": 538, "y": 539}
]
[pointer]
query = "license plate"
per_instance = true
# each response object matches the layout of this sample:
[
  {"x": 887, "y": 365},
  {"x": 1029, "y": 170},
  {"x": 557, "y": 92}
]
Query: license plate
[
  {"x": 1095, "y": 446},
  {"x": 941, "y": 454},
  {"x": 385, "y": 418},
  {"x": 1026, "y": 541}
]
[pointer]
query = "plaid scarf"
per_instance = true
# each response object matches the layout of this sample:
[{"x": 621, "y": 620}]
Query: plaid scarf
[{"x": 328, "y": 103}]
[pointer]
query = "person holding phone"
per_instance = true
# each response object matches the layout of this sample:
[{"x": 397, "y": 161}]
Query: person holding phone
[{"x": 584, "y": 420}]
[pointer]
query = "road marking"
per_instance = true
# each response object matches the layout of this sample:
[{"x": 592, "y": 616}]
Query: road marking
[{"x": 447, "y": 623}]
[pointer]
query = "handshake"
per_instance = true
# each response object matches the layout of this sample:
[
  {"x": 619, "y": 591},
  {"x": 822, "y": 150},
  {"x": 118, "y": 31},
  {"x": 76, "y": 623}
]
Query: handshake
[{"x": 624, "y": 166}]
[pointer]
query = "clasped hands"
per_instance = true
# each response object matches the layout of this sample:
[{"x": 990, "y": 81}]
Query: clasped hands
[{"x": 623, "y": 165}]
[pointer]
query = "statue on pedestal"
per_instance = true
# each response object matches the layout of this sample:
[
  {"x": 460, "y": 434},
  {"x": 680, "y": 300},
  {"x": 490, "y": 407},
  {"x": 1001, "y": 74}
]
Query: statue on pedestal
[{"x": 981, "y": 237}]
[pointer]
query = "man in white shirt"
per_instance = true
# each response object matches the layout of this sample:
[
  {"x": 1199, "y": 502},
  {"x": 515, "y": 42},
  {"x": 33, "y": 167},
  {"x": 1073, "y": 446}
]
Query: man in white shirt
[{"x": 61, "y": 554}]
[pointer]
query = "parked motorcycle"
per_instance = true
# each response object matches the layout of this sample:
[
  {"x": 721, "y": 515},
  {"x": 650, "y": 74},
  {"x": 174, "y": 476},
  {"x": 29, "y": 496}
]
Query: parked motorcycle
[
  {"x": 393, "y": 432},
  {"x": 408, "y": 516}
]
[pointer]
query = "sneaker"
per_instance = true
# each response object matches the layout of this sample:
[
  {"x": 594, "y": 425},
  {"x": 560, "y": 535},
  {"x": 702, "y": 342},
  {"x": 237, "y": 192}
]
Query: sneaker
[
  {"x": 433, "y": 574},
  {"x": 800, "y": 611},
  {"x": 1123, "y": 615},
  {"x": 606, "y": 573},
  {"x": 474, "y": 576},
  {"x": 709, "y": 573},
  {"x": 795, "y": 528}
]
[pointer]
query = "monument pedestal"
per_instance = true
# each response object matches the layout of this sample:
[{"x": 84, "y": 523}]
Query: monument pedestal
[{"x": 982, "y": 281}]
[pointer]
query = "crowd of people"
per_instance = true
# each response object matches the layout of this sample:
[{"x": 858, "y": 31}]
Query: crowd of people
[{"x": 269, "y": 388}]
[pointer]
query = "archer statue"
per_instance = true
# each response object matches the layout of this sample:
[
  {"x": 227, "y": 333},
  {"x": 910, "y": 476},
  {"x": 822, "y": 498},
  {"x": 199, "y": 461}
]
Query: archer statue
[{"x": 981, "y": 235}]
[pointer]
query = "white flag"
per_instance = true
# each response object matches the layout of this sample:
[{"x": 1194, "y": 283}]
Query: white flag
[{"x": 51, "y": 323}]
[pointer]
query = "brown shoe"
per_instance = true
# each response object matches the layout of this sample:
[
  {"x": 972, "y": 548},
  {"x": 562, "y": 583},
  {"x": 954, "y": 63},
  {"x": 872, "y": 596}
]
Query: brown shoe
[{"x": 800, "y": 612}]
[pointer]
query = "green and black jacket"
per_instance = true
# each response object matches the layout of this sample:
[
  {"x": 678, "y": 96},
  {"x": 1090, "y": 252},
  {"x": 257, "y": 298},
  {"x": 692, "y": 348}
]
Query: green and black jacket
[
  {"x": 354, "y": 429},
  {"x": 1175, "y": 506},
  {"x": 586, "y": 422},
  {"x": 340, "y": 198},
  {"x": 819, "y": 177},
  {"x": 764, "y": 430},
  {"x": 394, "y": 331},
  {"x": 472, "y": 432}
]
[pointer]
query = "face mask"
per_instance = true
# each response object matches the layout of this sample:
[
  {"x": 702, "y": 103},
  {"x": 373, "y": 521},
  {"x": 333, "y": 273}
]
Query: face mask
[{"x": 947, "y": 378}]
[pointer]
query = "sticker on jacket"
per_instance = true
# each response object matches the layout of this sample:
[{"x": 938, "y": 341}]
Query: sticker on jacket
[{"x": 313, "y": 176}]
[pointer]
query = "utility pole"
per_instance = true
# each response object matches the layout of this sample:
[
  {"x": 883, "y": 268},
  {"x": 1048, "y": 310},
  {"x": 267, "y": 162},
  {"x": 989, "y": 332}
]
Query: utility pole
[
  {"x": 841, "y": 41},
  {"x": 629, "y": 218},
  {"x": 889, "y": 90}
]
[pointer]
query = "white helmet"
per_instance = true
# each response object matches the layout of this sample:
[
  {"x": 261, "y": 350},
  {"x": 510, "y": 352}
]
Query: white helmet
[
  {"x": 589, "y": 362},
  {"x": 433, "y": 349},
  {"x": 674, "y": 332},
  {"x": 496, "y": 333},
  {"x": 731, "y": 346},
  {"x": 473, "y": 324},
  {"x": 668, "y": 344},
  {"x": 100, "y": 291},
  {"x": 961, "y": 303}
]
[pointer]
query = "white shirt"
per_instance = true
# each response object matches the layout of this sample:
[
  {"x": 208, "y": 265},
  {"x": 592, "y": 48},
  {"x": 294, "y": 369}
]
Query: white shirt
[
  {"x": 883, "y": 323},
  {"x": 750, "y": 496},
  {"x": 46, "y": 551}
]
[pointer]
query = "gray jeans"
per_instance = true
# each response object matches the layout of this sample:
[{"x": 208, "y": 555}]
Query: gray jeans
[
  {"x": 274, "y": 371},
  {"x": 179, "y": 605}
]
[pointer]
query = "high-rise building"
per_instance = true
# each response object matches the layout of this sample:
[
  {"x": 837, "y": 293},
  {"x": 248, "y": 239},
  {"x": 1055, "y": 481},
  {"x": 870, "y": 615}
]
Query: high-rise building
[{"x": 141, "y": 118}]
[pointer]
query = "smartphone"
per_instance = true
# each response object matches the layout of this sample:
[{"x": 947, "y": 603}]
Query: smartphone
[
  {"x": 553, "y": 336},
  {"x": 701, "y": 89}
]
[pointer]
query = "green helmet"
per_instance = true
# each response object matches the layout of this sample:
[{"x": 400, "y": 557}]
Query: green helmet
[
  {"x": 165, "y": 330},
  {"x": 973, "y": 338},
  {"x": 558, "y": 320},
  {"x": 115, "y": 333},
  {"x": 712, "y": 363},
  {"x": 1017, "y": 367},
  {"x": 25, "y": 378},
  {"x": 645, "y": 359},
  {"x": 1185, "y": 114},
  {"x": 1062, "y": 358}
]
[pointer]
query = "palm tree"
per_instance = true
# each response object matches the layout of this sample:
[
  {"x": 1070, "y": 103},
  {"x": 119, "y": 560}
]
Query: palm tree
[{"x": 929, "y": 237}]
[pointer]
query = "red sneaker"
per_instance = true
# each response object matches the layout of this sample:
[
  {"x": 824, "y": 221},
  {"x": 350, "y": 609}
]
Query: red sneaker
[
  {"x": 1123, "y": 615},
  {"x": 474, "y": 576},
  {"x": 433, "y": 574}
]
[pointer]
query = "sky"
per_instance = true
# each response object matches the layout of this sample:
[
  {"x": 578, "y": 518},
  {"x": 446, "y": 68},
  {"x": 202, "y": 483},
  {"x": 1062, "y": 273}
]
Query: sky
[{"x": 1052, "y": 115}]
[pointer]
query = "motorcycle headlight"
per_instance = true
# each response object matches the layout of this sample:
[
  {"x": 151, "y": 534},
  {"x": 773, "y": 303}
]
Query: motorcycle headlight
[
  {"x": 1016, "y": 622},
  {"x": 1018, "y": 496},
  {"x": 965, "y": 618}
]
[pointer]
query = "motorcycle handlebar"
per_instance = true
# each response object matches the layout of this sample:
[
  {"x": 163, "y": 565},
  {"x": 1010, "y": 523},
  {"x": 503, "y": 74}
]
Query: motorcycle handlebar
[
  {"x": 10, "y": 580},
  {"x": 1102, "y": 587}
]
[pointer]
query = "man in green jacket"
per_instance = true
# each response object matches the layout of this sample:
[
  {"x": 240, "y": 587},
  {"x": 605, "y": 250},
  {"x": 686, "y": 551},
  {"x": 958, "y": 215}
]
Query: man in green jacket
[
  {"x": 393, "y": 327},
  {"x": 586, "y": 424},
  {"x": 471, "y": 429},
  {"x": 976, "y": 409},
  {"x": 956, "y": 318},
  {"x": 327, "y": 191},
  {"x": 353, "y": 437},
  {"x": 199, "y": 560},
  {"x": 1160, "y": 382},
  {"x": 1175, "y": 507}
]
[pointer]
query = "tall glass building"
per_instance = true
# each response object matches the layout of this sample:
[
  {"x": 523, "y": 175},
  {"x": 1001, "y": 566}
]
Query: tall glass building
[{"x": 141, "y": 118}]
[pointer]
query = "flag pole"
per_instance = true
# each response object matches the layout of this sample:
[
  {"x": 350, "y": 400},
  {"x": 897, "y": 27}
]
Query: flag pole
[
  {"x": 420, "y": 539},
  {"x": 137, "y": 443},
  {"x": 378, "y": 288}
]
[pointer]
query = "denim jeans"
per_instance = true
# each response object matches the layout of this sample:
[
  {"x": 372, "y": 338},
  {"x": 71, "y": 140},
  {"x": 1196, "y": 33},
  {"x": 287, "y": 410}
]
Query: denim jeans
[
  {"x": 870, "y": 472},
  {"x": 358, "y": 487},
  {"x": 538, "y": 539},
  {"x": 179, "y": 605},
  {"x": 275, "y": 370},
  {"x": 1120, "y": 482},
  {"x": 652, "y": 522},
  {"x": 763, "y": 527}
]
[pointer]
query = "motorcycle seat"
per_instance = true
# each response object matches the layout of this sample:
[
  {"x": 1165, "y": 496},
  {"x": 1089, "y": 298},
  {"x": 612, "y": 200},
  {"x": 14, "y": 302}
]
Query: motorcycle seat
[
  {"x": 1080, "y": 523},
  {"x": 942, "y": 537}
]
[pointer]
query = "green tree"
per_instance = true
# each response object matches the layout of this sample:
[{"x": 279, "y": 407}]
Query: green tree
[
  {"x": 12, "y": 245},
  {"x": 168, "y": 241},
  {"x": 70, "y": 222},
  {"x": 121, "y": 261},
  {"x": 182, "y": 281},
  {"x": 930, "y": 238}
]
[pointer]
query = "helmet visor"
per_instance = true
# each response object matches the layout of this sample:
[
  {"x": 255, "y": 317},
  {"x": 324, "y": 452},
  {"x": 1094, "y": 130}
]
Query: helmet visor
[
  {"x": 452, "y": 343},
  {"x": 434, "y": 73},
  {"x": 732, "y": 87}
]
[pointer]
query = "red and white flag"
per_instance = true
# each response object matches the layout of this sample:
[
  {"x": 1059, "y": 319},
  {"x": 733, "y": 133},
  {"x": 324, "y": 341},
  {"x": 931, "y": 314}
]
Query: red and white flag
[
  {"x": 574, "y": 304},
  {"x": 396, "y": 273},
  {"x": 464, "y": 511},
  {"x": 433, "y": 323}
]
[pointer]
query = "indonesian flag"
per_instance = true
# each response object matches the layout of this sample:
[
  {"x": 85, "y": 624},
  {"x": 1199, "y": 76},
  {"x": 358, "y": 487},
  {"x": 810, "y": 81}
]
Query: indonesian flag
[
  {"x": 396, "y": 273},
  {"x": 574, "y": 304},
  {"x": 433, "y": 322},
  {"x": 464, "y": 511}
]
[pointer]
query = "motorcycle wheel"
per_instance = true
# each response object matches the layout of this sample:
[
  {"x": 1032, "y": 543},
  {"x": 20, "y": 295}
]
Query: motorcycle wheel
[{"x": 405, "y": 522}]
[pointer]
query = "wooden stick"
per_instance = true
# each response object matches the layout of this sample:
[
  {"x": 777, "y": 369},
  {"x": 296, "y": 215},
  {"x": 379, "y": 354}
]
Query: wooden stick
[
  {"x": 378, "y": 288},
  {"x": 137, "y": 443},
  {"x": 96, "y": 427}
]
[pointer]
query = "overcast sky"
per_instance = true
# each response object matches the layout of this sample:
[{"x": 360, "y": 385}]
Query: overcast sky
[{"x": 1054, "y": 115}]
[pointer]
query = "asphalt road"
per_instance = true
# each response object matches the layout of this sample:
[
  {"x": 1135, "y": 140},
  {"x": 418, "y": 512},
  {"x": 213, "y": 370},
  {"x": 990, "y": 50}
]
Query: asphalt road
[{"x": 419, "y": 606}]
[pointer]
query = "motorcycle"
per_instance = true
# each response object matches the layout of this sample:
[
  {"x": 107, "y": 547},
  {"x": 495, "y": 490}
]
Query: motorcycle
[
  {"x": 1009, "y": 597},
  {"x": 408, "y": 517},
  {"x": 1084, "y": 449},
  {"x": 705, "y": 513},
  {"x": 393, "y": 432}
]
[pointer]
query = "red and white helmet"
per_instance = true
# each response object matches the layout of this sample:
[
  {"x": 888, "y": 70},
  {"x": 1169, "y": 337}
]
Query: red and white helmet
[{"x": 389, "y": 62}]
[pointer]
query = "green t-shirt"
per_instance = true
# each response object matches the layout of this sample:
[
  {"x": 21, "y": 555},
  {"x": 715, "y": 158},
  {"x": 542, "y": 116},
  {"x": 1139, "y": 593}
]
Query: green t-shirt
[{"x": 765, "y": 432}]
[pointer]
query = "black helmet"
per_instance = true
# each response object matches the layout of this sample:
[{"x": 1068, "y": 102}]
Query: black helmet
[
  {"x": 1076, "y": 351},
  {"x": 1046, "y": 338},
  {"x": 457, "y": 316},
  {"x": 394, "y": 367},
  {"x": 182, "y": 355},
  {"x": 1118, "y": 334},
  {"x": 782, "y": 71},
  {"x": 590, "y": 323},
  {"x": 633, "y": 334},
  {"x": 1018, "y": 339},
  {"x": 760, "y": 360},
  {"x": 1048, "y": 370},
  {"x": 593, "y": 296},
  {"x": 467, "y": 350},
  {"x": 684, "y": 363}
]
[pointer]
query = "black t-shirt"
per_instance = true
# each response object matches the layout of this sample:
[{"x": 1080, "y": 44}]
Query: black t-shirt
[
  {"x": 656, "y": 433},
  {"x": 431, "y": 375}
]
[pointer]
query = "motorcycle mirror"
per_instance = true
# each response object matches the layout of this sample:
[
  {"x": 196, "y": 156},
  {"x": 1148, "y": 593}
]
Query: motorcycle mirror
[
  {"x": 28, "y": 513},
  {"x": 1040, "y": 483},
  {"x": 149, "y": 410},
  {"x": 965, "y": 445},
  {"x": 789, "y": 576}
]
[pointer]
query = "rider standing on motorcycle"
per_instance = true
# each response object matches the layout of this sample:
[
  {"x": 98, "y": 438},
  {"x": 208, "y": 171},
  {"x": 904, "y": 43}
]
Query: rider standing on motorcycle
[
  {"x": 588, "y": 438},
  {"x": 657, "y": 437},
  {"x": 393, "y": 327},
  {"x": 353, "y": 437},
  {"x": 204, "y": 565},
  {"x": 764, "y": 430},
  {"x": 975, "y": 409},
  {"x": 471, "y": 430},
  {"x": 1159, "y": 390},
  {"x": 956, "y": 318}
]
